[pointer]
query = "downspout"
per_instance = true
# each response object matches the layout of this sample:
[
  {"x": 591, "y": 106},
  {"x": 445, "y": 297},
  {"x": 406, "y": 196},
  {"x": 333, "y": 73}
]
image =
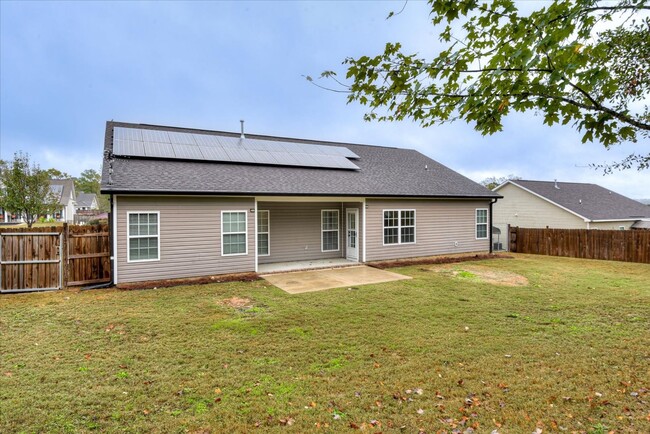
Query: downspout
[
  {"x": 112, "y": 256},
  {"x": 492, "y": 202}
]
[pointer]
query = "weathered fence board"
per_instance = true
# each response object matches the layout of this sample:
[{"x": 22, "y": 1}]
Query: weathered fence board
[
  {"x": 31, "y": 260},
  {"x": 613, "y": 245},
  {"x": 88, "y": 255},
  {"x": 51, "y": 257}
]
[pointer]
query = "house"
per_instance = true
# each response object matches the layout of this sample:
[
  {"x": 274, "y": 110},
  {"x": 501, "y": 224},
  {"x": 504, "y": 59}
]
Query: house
[
  {"x": 63, "y": 190},
  {"x": 86, "y": 202},
  {"x": 568, "y": 205},
  {"x": 189, "y": 202}
]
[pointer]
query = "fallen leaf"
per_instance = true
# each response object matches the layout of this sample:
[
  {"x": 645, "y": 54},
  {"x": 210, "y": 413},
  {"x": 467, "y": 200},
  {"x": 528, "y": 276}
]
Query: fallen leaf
[
  {"x": 287, "y": 421},
  {"x": 354, "y": 425},
  {"x": 217, "y": 391},
  {"x": 8, "y": 374},
  {"x": 420, "y": 411},
  {"x": 460, "y": 382},
  {"x": 145, "y": 412}
]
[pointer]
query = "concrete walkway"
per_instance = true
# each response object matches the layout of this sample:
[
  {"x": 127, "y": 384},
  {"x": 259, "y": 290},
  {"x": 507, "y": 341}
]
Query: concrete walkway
[{"x": 316, "y": 280}]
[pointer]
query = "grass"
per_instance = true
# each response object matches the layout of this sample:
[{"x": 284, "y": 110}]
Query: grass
[{"x": 568, "y": 352}]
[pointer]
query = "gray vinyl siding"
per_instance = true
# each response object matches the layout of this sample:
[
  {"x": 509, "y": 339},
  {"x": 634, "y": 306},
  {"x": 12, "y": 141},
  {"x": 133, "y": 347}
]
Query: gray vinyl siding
[
  {"x": 295, "y": 231},
  {"x": 190, "y": 237},
  {"x": 438, "y": 225}
]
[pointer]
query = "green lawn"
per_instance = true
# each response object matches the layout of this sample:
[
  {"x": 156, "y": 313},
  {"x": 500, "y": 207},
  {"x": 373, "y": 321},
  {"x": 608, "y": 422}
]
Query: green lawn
[{"x": 568, "y": 352}]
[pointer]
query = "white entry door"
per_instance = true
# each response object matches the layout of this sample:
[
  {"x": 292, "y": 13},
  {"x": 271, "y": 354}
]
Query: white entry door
[{"x": 352, "y": 237}]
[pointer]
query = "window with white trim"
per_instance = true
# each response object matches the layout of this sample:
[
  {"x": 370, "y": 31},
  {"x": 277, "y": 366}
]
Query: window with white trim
[
  {"x": 263, "y": 230},
  {"x": 329, "y": 230},
  {"x": 399, "y": 226},
  {"x": 481, "y": 223},
  {"x": 233, "y": 233},
  {"x": 143, "y": 236}
]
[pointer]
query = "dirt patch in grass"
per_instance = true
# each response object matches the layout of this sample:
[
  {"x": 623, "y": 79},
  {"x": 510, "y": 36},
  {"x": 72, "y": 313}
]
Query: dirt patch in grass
[
  {"x": 437, "y": 260},
  {"x": 482, "y": 274},
  {"x": 237, "y": 277},
  {"x": 236, "y": 302}
]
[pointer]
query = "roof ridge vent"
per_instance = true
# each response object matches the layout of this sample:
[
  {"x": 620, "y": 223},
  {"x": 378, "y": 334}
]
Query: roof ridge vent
[{"x": 556, "y": 185}]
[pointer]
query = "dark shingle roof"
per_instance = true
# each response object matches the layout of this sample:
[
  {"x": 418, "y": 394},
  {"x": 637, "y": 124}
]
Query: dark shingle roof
[
  {"x": 66, "y": 186},
  {"x": 382, "y": 171},
  {"x": 85, "y": 199},
  {"x": 588, "y": 200}
]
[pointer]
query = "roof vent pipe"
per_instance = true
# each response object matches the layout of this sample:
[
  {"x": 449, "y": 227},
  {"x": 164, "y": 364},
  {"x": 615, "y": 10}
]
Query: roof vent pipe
[
  {"x": 555, "y": 181},
  {"x": 242, "y": 129}
]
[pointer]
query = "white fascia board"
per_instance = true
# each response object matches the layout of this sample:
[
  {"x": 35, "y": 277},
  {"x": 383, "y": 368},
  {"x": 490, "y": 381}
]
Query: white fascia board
[{"x": 620, "y": 220}]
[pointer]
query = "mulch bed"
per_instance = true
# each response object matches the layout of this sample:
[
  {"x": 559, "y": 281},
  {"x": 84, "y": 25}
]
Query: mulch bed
[
  {"x": 437, "y": 260},
  {"x": 238, "y": 277}
]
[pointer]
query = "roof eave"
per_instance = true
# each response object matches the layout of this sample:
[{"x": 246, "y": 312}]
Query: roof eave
[{"x": 254, "y": 193}]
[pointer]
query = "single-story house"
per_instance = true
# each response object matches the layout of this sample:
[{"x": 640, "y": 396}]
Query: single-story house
[
  {"x": 86, "y": 202},
  {"x": 188, "y": 202},
  {"x": 565, "y": 205},
  {"x": 63, "y": 190}
]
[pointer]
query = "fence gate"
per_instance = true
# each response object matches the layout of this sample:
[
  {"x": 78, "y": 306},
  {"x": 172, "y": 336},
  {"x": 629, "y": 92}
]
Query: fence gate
[
  {"x": 88, "y": 255},
  {"x": 31, "y": 261}
]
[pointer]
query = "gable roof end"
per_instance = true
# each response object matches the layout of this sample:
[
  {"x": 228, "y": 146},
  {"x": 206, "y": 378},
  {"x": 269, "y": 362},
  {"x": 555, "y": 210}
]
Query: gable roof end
[{"x": 590, "y": 202}]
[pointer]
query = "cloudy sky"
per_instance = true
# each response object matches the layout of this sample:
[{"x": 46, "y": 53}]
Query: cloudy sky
[{"x": 68, "y": 67}]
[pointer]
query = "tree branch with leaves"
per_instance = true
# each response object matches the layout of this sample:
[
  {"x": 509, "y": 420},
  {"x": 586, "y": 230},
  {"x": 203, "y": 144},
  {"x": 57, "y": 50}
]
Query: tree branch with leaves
[
  {"x": 25, "y": 190},
  {"x": 580, "y": 62}
]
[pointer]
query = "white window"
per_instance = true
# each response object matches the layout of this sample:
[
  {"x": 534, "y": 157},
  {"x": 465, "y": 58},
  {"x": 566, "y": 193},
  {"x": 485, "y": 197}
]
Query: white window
[
  {"x": 233, "y": 233},
  {"x": 621, "y": 228},
  {"x": 399, "y": 226},
  {"x": 481, "y": 224},
  {"x": 263, "y": 229},
  {"x": 143, "y": 236},
  {"x": 329, "y": 219}
]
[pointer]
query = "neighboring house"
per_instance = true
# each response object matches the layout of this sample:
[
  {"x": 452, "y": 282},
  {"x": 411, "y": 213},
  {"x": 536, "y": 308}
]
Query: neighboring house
[
  {"x": 63, "y": 189},
  {"x": 86, "y": 202},
  {"x": 568, "y": 205},
  {"x": 191, "y": 203}
]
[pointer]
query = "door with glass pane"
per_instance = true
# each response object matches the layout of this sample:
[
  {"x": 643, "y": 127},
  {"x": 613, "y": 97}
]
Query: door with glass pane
[{"x": 352, "y": 237}]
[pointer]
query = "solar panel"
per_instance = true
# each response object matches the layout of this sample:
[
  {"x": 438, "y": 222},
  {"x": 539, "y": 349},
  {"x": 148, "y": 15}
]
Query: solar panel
[
  {"x": 158, "y": 150},
  {"x": 189, "y": 152},
  {"x": 128, "y": 147},
  {"x": 137, "y": 142},
  {"x": 214, "y": 153},
  {"x": 181, "y": 138},
  {"x": 155, "y": 136}
]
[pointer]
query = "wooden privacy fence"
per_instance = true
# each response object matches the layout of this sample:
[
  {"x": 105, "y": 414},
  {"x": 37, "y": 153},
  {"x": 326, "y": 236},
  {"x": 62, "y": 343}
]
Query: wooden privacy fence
[
  {"x": 31, "y": 261},
  {"x": 49, "y": 258},
  {"x": 613, "y": 245}
]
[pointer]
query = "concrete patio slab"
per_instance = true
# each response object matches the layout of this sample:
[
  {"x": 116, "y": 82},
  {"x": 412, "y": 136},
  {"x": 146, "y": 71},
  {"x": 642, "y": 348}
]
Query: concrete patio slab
[{"x": 316, "y": 280}]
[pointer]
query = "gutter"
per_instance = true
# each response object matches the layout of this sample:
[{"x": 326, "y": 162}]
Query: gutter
[
  {"x": 251, "y": 193},
  {"x": 492, "y": 202}
]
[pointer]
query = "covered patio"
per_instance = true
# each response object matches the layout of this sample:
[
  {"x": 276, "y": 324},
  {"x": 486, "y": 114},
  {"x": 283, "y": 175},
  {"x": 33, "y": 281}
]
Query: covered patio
[{"x": 298, "y": 233}]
